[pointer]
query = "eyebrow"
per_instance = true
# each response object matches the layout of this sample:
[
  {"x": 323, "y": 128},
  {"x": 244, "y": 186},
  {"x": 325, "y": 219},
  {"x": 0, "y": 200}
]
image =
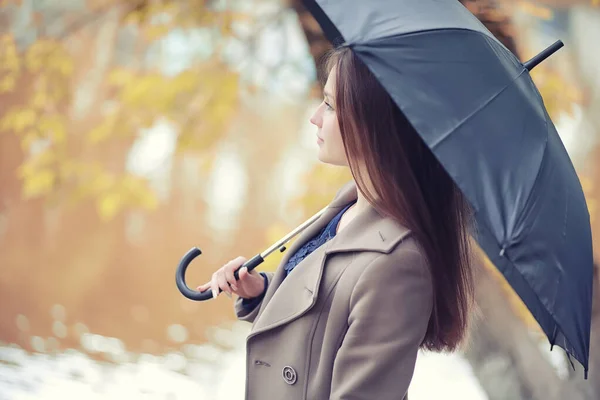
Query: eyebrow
[{"x": 326, "y": 93}]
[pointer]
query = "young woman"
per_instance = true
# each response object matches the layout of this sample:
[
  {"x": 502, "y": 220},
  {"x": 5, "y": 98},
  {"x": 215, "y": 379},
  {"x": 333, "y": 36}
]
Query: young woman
[{"x": 383, "y": 272}]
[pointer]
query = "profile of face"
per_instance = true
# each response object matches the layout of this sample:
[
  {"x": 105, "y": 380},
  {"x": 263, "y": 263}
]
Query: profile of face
[{"x": 329, "y": 138}]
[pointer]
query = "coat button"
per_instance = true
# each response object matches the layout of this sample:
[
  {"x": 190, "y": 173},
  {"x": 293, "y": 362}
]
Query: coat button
[{"x": 289, "y": 375}]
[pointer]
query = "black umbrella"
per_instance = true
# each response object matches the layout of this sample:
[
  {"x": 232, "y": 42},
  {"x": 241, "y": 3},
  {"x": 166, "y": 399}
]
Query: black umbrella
[{"x": 475, "y": 104}]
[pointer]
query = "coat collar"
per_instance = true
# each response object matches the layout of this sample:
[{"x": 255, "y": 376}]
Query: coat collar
[{"x": 368, "y": 231}]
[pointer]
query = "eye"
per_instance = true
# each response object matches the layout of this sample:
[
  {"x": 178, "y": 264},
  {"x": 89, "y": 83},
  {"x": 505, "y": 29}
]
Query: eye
[{"x": 328, "y": 105}]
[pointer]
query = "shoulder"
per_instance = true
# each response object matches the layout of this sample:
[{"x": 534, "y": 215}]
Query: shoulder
[
  {"x": 406, "y": 258},
  {"x": 409, "y": 254},
  {"x": 403, "y": 264},
  {"x": 400, "y": 279}
]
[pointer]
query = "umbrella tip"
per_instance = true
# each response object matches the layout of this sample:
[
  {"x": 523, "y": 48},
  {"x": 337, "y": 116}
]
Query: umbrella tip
[{"x": 553, "y": 48}]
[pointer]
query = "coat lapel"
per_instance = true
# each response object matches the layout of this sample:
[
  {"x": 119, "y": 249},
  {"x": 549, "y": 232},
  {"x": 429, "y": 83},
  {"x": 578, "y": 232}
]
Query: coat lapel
[{"x": 289, "y": 298}]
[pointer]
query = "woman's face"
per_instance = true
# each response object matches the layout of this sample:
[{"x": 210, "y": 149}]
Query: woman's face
[{"x": 329, "y": 138}]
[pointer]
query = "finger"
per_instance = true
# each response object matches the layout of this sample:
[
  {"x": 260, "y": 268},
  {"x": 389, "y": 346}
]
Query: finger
[
  {"x": 214, "y": 286},
  {"x": 254, "y": 272},
  {"x": 222, "y": 281},
  {"x": 230, "y": 278},
  {"x": 237, "y": 262},
  {"x": 231, "y": 266},
  {"x": 203, "y": 287},
  {"x": 242, "y": 282},
  {"x": 243, "y": 273}
]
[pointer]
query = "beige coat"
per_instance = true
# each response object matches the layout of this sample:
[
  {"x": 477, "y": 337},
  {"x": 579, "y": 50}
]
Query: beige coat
[{"x": 348, "y": 320}]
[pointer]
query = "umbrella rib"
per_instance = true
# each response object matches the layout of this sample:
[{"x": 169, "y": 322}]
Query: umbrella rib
[
  {"x": 535, "y": 181},
  {"x": 417, "y": 32},
  {"x": 475, "y": 112},
  {"x": 556, "y": 325}
]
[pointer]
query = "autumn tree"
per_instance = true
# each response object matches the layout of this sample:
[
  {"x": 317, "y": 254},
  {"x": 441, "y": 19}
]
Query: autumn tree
[{"x": 82, "y": 87}]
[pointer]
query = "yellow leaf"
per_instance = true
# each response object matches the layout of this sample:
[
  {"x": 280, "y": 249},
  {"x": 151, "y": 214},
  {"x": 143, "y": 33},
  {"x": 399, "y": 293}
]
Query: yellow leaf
[
  {"x": 69, "y": 169},
  {"x": 58, "y": 131},
  {"x": 24, "y": 119},
  {"x": 40, "y": 99},
  {"x": 59, "y": 136},
  {"x": 40, "y": 161},
  {"x": 64, "y": 65},
  {"x": 35, "y": 57},
  {"x": 26, "y": 169},
  {"x": 137, "y": 191},
  {"x": 28, "y": 139},
  {"x": 18, "y": 120},
  {"x": 148, "y": 200},
  {"x": 186, "y": 81},
  {"x": 134, "y": 17},
  {"x": 138, "y": 91},
  {"x": 154, "y": 32},
  {"x": 49, "y": 55},
  {"x": 52, "y": 126},
  {"x": 109, "y": 205},
  {"x": 102, "y": 182},
  {"x": 7, "y": 120},
  {"x": 9, "y": 63},
  {"x": 8, "y": 84},
  {"x": 101, "y": 132},
  {"x": 120, "y": 77},
  {"x": 38, "y": 183}
]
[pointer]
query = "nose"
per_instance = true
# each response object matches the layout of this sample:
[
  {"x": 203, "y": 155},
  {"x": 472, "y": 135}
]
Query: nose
[{"x": 316, "y": 117}]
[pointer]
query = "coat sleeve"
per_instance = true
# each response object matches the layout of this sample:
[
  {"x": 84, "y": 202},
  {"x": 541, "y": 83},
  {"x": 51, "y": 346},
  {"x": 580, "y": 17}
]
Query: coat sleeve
[
  {"x": 389, "y": 312},
  {"x": 245, "y": 313}
]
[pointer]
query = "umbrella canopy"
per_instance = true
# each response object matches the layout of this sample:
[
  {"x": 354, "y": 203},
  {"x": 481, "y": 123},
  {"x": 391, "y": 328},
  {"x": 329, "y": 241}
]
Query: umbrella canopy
[{"x": 475, "y": 105}]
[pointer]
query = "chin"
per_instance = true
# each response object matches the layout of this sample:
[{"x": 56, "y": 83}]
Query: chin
[{"x": 324, "y": 158}]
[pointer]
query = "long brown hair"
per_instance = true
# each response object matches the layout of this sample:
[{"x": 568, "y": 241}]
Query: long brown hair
[{"x": 410, "y": 186}]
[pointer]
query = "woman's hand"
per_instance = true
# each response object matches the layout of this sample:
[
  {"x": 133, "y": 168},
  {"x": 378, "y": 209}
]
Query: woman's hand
[{"x": 251, "y": 284}]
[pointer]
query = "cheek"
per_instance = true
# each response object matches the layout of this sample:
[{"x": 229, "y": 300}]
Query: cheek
[{"x": 331, "y": 128}]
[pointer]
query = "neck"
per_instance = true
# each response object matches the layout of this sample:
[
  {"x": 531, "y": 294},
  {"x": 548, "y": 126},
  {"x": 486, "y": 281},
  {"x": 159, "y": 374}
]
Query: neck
[{"x": 361, "y": 201}]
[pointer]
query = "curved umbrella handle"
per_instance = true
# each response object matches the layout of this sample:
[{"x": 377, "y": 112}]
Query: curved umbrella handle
[
  {"x": 250, "y": 264},
  {"x": 207, "y": 294}
]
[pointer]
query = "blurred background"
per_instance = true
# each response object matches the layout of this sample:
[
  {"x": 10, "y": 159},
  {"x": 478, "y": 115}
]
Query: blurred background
[{"x": 133, "y": 130}]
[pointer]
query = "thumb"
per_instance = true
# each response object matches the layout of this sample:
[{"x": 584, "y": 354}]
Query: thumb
[
  {"x": 244, "y": 274},
  {"x": 253, "y": 273}
]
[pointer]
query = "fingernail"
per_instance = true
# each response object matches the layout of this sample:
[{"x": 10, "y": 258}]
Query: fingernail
[
  {"x": 234, "y": 287},
  {"x": 215, "y": 294}
]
